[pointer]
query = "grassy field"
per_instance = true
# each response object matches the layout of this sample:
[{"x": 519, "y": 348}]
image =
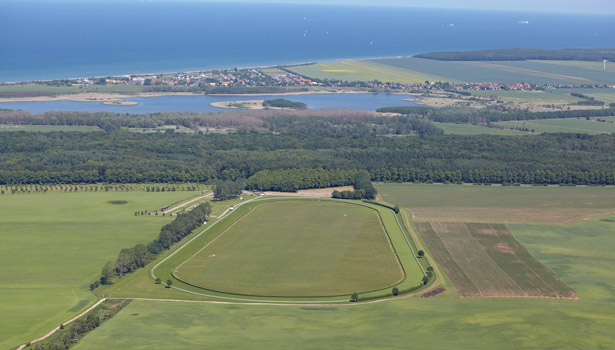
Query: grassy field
[
  {"x": 507, "y": 72},
  {"x": 279, "y": 249},
  {"x": 420, "y": 323},
  {"x": 579, "y": 254},
  {"x": 485, "y": 260},
  {"x": 591, "y": 126},
  {"x": 140, "y": 284},
  {"x": 582, "y": 255},
  {"x": 468, "y": 129},
  {"x": 54, "y": 245},
  {"x": 48, "y": 128},
  {"x": 356, "y": 70},
  {"x": 598, "y": 66},
  {"x": 502, "y": 204},
  {"x": 530, "y": 96}
]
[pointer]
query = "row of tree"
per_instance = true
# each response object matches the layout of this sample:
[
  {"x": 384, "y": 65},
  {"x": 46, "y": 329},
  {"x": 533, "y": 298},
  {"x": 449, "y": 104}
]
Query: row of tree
[
  {"x": 292, "y": 180},
  {"x": 133, "y": 258}
]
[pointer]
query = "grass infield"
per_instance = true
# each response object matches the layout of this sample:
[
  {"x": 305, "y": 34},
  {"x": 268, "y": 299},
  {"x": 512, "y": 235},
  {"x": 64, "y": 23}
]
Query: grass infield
[{"x": 297, "y": 248}]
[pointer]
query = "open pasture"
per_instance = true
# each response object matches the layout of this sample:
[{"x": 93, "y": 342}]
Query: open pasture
[
  {"x": 485, "y": 260},
  {"x": 362, "y": 70},
  {"x": 297, "y": 248},
  {"x": 502, "y": 204},
  {"x": 54, "y": 244}
]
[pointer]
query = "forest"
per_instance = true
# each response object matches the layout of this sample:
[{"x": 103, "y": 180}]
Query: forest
[
  {"x": 523, "y": 54},
  {"x": 120, "y": 156}
]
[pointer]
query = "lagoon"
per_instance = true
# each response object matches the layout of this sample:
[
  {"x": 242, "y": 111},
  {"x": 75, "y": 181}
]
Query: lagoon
[{"x": 201, "y": 103}]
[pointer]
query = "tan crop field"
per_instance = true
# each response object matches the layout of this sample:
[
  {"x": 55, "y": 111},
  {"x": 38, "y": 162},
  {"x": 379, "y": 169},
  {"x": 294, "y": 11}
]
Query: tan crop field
[{"x": 485, "y": 260}]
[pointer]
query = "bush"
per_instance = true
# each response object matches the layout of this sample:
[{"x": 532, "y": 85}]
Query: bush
[{"x": 157, "y": 280}]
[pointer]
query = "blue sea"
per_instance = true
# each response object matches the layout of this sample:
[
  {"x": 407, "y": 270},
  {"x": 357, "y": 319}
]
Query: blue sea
[{"x": 42, "y": 40}]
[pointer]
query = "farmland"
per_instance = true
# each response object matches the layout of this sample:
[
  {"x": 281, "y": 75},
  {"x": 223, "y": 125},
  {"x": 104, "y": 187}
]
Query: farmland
[
  {"x": 417, "y": 70},
  {"x": 346, "y": 250},
  {"x": 502, "y": 204},
  {"x": 62, "y": 240},
  {"x": 356, "y": 70},
  {"x": 485, "y": 260}
]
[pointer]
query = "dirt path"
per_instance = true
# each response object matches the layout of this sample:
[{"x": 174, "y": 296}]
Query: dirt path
[
  {"x": 186, "y": 203},
  {"x": 65, "y": 323}
]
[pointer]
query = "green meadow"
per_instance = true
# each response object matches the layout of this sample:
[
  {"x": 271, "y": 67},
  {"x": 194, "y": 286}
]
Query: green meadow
[
  {"x": 54, "y": 245},
  {"x": 591, "y": 126},
  {"x": 580, "y": 254},
  {"x": 363, "y": 70},
  {"x": 297, "y": 248}
]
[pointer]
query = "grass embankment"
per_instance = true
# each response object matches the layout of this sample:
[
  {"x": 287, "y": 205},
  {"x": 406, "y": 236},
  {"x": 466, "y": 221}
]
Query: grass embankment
[{"x": 54, "y": 245}]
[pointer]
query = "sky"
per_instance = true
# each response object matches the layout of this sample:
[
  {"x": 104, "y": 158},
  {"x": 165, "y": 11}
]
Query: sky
[{"x": 574, "y": 6}]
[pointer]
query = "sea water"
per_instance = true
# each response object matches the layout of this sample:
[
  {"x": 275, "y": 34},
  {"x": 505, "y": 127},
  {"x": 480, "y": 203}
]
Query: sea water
[{"x": 43, "y": 40}]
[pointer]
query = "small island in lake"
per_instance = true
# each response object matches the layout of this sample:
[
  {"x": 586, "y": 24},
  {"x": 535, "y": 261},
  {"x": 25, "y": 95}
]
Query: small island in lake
[{"x": 278, "y": 103}]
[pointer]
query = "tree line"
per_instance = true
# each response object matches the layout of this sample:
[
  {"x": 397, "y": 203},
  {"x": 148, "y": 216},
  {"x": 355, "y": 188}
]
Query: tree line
[
  {"x": 292, "y": 180},
  {"x": 133, "y": 258},
  {"x": 363, "y": 188}
]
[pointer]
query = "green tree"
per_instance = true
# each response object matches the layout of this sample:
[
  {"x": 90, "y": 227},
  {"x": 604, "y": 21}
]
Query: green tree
[
  {"x": 169, "y": 283},
  {"x": 108, "y": 271},
  {"x": 395, "y": 291},
  {"x": 354, "y": 298}
]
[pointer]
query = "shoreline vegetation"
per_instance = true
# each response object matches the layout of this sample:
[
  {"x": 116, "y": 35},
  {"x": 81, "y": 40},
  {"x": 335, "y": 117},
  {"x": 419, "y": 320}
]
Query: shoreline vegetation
[{"x": 276, "y": 104}]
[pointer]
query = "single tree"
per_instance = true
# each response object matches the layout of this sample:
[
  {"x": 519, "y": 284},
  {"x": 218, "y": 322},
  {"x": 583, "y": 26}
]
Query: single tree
[
  {"x": 157, "y": 280},
  {"x": 421, "y": 253},
  {"x": 169, "y": 283},
  {"x": 395, "y": 291},
  {"x": 354, "y": 298}
]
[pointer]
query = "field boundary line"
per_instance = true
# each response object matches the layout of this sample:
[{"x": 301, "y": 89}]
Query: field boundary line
[{"x": 50, "y": 333}]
